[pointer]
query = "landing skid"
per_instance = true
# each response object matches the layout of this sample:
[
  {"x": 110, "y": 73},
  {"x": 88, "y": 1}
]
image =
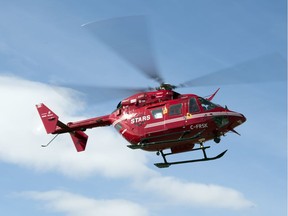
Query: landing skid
[
  {"x": 167, "y": 164},
  {"x": 145, "y": 143}
]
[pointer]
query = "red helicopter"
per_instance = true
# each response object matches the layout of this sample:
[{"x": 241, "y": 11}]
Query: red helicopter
[
  {"x": 155, "y": 121},
  {"x": 159, "y": 120}
]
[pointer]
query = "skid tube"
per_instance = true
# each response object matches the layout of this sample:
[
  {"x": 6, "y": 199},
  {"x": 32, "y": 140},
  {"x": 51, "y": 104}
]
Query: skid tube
[{"x": 167, "y": 164}]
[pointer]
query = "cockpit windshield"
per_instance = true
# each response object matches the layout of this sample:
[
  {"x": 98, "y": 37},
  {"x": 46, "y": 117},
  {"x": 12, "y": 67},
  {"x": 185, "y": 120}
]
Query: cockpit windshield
[{"x": 207, "y": 105}]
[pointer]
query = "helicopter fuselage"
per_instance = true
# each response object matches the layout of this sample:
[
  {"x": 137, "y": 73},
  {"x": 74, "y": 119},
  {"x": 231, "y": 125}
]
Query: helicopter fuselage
[{"x": 152, "y": 118}]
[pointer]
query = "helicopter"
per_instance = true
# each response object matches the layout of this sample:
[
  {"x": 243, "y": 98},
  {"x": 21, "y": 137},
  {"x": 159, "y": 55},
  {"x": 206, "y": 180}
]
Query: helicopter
[{"x": 157, "y": 119}]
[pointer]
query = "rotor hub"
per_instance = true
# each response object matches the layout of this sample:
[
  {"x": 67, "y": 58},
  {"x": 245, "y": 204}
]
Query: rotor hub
[{"x": 166, "y": 86}]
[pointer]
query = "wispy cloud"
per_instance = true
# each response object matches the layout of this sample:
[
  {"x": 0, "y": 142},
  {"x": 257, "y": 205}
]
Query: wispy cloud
[
  {"x": 179, "y": 192},
  {"x": 106, "y": 153},
  {"x": 76, "y": 205}
]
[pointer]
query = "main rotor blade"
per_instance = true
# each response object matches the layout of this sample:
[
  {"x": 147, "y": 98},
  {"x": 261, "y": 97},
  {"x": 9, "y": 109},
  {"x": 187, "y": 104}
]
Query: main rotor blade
[
  {"x": 101, "y": 93},
  {"x": 263, "y": 69},
  {"x": 129, "y": 37}
]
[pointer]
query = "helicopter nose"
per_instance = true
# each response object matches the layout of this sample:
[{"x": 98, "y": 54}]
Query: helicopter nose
[{"x": 240, "y": 119}]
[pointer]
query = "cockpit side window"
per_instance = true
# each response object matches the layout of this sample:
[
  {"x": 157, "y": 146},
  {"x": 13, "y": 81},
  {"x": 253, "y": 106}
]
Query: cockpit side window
[
  {"x": 175, "y": 109},
  {"x": 193, "y": 106},
  {"x": 206, "y": 105}
]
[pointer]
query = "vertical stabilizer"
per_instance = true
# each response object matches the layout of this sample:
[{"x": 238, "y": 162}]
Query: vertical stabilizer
[{"x": 48, "y": 117}]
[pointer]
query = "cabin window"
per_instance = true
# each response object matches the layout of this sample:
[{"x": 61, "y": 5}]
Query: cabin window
[
  {"x": 157, "y": 113},
  {"x": 193, "y": 106},
  {"x": 207, "y": 105},
  {"x": 175, "y": 109}
]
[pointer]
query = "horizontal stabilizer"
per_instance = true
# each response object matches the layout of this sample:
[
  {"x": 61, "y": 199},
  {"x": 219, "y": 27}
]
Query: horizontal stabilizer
[{"x": 75, "y": 129}]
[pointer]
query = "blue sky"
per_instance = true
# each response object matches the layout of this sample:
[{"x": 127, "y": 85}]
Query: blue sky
[{"x": 42, "y": 43}]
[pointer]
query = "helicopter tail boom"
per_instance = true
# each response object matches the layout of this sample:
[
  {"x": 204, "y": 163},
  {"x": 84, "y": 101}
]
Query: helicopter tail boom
[{"x": 53, "y": 126}]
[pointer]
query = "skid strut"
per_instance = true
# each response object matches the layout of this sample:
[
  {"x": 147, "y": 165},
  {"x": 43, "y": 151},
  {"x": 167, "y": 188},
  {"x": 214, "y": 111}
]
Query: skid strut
[{"x": 167, "y": 164}]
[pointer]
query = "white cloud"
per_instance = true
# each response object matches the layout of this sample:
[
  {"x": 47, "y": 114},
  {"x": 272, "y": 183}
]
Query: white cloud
[
  {"x": 178, "y": 192},
  {"x": 106, "y": 154},
  {"x": 77, "y": 205},
  {"x": 23, "y": 133}
]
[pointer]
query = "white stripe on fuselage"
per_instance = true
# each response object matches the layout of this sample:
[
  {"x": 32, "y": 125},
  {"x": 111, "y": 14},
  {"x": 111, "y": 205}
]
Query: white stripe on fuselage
[
  {"x": 168, "y": 121},
  {"x": 216, "y": 114},
  {"x": 123, "y": 117},
  {"x": 195, "y": 116}
]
